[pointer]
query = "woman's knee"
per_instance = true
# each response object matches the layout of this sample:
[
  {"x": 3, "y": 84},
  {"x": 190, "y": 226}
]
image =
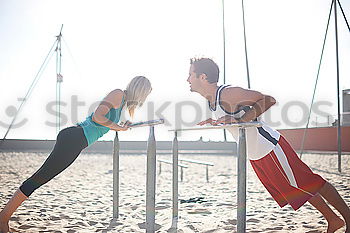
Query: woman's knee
[{"x": 29, "y": 186}]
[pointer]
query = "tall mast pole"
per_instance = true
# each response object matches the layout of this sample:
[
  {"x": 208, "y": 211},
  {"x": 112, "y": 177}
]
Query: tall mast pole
[
  {"x": 59, "y": 80},
  {"x": 338, "y": 86}
]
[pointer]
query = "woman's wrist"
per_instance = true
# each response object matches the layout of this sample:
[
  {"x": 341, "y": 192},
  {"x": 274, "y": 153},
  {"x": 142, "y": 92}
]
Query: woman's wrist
[{"x": 116, "y": 127}]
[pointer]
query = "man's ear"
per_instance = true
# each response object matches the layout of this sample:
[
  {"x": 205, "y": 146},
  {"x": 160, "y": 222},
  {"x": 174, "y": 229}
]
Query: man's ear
[{"x": 203, "y": 76}]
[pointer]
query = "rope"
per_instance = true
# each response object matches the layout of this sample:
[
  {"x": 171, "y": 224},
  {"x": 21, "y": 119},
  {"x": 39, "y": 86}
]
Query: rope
[
  {"x": 224, "y": 38},
  {"x": 245, "y": 46},
  {"x": 224, "y": 48},
  {"x": 36, "y": 79},
  {"x": 317, "y": 76},
  {"x": 341, "y": 8},
  {"x": 66, "y": 48}
]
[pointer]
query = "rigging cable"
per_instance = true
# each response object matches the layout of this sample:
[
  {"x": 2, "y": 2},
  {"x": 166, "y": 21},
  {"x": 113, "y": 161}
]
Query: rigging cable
[
  {"x": 33, "y": 84},
  {"x": 342, "y": 11},
  {"x": 66, "y": 47},
  {"x": 245, "y": 46},
  {"x": 317, "y": 76},
  {"x": 224, "y": 38},
  {"x": 224, "y": 49}
]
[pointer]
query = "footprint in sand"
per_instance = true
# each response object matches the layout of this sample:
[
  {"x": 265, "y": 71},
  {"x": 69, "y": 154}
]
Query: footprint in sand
[
  {"x": 224, "y": 204},
  {"x": 192, "y": 227},
  {"x": 230, "y": 228},
  {"x": 230, "y": 222},
  {"x": 13, "y": 218},
  {"x": 26, "y": 226},
  {"x": 199, "y": 211},
  {"x": 210, "y": 231},
  {"x": 54, "y": 218},
  {"x": 253, "y": 220},
  {"x": 322, "y": 222},
  {"x": 162, "y": 207},
  {"x": 273, "y": 229},
  {"x": 83, "y": 224},
  {"x": 92, "y": 223}
]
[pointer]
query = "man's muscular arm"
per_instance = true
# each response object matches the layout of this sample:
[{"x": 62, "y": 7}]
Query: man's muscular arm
[
  {"x": 234, "y": 97},
  {"x": 258, "y": 108}
]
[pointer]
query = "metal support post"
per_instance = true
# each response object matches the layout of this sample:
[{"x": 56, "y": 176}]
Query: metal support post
[
  {"x": 175, "y": 181},
  {"x": 242, "y": 176},
  {"x": 116, "y": 147},
  {"x": 151, "y": 182}
]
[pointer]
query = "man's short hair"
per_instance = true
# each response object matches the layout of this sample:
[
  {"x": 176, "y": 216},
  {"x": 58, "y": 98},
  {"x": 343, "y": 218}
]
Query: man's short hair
[{"x": 206, "y": 66}]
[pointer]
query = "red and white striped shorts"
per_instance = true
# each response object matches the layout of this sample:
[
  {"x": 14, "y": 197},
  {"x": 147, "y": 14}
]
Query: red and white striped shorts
[{"x": 286, "y": 177}]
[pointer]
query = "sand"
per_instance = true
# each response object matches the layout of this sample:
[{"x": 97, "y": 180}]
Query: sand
[{"x": 80, "y": 198}]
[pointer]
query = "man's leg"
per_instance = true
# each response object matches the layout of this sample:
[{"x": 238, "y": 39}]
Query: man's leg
[
  {"x": 334, "y": 222},
  {"x": 329, "y": 193}
]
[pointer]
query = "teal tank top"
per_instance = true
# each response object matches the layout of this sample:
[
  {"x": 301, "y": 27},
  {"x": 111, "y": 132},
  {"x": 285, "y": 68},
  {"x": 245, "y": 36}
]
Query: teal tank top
[{"x": 93, "y": 131}]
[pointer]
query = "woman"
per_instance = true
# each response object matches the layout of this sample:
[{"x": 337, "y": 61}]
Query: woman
[{"x": 72, "y": 140}]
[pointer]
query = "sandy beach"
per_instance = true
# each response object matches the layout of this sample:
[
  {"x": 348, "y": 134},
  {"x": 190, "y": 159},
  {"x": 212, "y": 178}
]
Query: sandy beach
[{"x": 80, "y": 198}]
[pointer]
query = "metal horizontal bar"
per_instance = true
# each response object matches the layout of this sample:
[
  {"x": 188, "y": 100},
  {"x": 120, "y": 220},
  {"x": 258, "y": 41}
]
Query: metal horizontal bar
[
  {"x": 227, "y": 126},
  {"x": 146, "y": 123},
  {"x": 197, "y": 162},
  {"x": 169, "y": 162}
]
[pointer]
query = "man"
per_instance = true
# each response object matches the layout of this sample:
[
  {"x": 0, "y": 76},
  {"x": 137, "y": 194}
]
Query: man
[{"x": 284, "y": 175}]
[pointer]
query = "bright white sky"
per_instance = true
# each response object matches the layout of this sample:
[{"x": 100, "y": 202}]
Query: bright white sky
[{"x": 106, "y": 43}]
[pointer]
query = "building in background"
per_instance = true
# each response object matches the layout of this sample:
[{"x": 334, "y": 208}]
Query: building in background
[
  {"x": 323, "y": 138},
  {"x": 346, "y": 107}
]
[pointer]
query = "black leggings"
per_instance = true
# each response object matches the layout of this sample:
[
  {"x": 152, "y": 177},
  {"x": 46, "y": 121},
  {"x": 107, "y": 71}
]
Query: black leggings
[{"x": 70, "y": 142}]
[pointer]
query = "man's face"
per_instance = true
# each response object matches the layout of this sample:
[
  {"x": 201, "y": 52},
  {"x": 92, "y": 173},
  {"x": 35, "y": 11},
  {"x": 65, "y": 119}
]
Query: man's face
[{"x": 193, "y": 80}]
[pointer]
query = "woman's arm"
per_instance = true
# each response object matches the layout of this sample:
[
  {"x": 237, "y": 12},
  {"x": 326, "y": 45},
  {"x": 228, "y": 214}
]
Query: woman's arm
[{"x": 112, "y": 100}]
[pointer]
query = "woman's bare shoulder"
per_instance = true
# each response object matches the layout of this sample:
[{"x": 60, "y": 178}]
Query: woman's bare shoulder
[{"x": 115, "y": 97}]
